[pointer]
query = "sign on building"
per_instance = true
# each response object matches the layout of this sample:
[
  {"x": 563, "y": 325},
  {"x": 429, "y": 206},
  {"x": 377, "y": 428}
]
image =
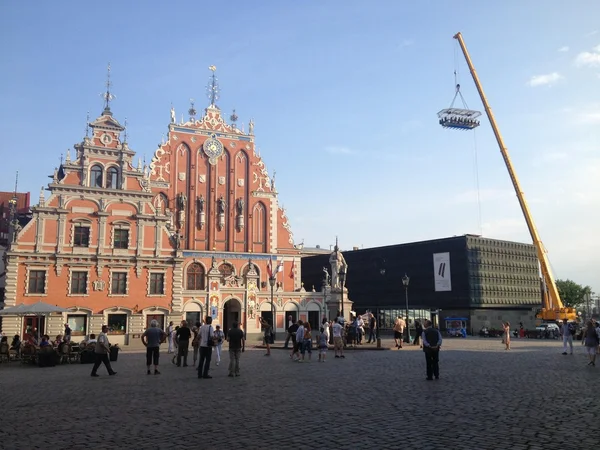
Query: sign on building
[{"x": 441, "y": 272}]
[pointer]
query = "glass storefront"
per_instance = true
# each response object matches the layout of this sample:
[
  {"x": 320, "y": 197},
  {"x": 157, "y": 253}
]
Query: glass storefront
[{"x": 77, "y": 324}]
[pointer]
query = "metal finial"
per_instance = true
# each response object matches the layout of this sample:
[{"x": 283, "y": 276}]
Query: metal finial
[
  {"x": 16, "y": 182},
  {"x": 233, "y": 118},
  {"x": 192, "y": 110},
  {"x": 125, "y": 131},
  {"x": 61, "y": 159},
  {"x": 87, "y": 125},
  {"x": 212, "y": 89},
  {"x": 108, "y": 97}
]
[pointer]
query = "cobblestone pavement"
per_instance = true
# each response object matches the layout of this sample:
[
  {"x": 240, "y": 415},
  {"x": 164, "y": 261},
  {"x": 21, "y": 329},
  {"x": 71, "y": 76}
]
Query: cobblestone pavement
[{"x": 531, "y": 397}]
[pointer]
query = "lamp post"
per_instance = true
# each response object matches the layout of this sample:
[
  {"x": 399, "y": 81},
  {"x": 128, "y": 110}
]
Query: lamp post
[
  {"x": 405, "y": 281},
  {"x": 272, "y": 280},
  {"x": 342, "y": 275}
]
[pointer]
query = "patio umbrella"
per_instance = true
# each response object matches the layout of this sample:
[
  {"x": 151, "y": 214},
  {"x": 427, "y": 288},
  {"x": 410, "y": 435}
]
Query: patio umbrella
[{"x": 39, "y": 309}]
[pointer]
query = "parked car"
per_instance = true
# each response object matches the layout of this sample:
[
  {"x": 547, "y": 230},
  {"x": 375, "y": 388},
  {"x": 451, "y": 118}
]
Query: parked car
[{"x": 548, "y": 331}]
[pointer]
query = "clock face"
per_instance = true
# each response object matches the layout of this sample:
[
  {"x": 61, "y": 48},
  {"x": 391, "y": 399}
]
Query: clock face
[{"x": 213, "y": 148}]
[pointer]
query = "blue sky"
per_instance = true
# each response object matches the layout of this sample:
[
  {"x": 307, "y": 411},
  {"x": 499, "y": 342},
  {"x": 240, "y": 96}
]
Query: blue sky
[{"x": 344, "y": 95}]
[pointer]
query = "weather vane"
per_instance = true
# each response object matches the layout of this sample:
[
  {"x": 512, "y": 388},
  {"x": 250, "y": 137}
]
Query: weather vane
[
  {"x": 107, "y": 96},
  {"x": 212, "y": 89},
  {"x": 192, "y": 110}
]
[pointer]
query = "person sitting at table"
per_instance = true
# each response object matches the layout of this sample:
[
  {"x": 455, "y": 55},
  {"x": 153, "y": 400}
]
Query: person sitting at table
[
  {"x": 16, "y": 343},
  {"x": 45, "y": 341},
  {"x": 3, "y": 340},
  {"x": 58, "y": 341},
  {"x": 92, "y": 339}
]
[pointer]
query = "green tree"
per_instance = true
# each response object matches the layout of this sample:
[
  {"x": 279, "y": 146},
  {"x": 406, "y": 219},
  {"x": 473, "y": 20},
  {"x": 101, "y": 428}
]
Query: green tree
[{"x": 571, "y": 293}]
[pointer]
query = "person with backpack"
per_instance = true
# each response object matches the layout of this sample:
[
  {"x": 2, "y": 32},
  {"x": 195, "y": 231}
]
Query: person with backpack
[
  {"x": 591, "y": 340},
  {"x": 195, "y": 341},
  {"x": 567, "y": 330}
]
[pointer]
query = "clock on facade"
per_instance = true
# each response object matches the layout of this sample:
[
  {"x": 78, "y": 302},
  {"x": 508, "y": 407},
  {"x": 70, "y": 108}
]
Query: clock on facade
[{"x": 213, "y": 149}]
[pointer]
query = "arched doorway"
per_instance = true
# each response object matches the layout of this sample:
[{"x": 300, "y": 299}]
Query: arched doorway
[
  {"x": 232, "y": 311},
  {"x": 193, "y": 312},
  {"x": 291, "y": 309}
]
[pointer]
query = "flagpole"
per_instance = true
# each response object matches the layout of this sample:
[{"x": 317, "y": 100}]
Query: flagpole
[{"x": 272, "y": 280}]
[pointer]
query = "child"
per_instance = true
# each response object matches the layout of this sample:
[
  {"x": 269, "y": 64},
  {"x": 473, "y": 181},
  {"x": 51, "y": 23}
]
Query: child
[{"x": 322, "y": 345}]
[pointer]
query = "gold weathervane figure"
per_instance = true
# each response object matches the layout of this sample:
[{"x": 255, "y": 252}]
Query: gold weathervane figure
[{"x": 213, "y": 68}]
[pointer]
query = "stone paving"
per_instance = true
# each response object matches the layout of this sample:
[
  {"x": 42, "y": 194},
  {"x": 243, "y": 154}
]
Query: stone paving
[{"x": 531, "y": 397}]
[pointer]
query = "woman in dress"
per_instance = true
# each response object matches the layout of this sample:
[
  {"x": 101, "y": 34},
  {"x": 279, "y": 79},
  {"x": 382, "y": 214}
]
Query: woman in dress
[
  {"x": 506, "y": 335},
  {"x": 219, "y": 336},
  {"x": 267, "y": 335}
]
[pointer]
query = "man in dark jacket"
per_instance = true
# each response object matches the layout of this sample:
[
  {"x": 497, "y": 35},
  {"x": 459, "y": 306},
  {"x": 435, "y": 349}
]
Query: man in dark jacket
[{"x": 432, "y": 342}]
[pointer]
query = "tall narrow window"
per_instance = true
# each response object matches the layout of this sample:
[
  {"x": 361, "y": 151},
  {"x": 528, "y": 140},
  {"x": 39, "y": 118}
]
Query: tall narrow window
[
  {"x": 96, "y": 176},
  {"x": 195, "y": 277},
  {"x": 259, "y": 227},
  {"x": 119, "y": 283},
  {"x": 81, "y": 236},
  {"x": 121, "y": 238},
  {"x": 37, "y": 282},
  {"x": 79, "y": 282},
  {"x": 112, "y": 178},
  {"x": 157, "y": 284}
]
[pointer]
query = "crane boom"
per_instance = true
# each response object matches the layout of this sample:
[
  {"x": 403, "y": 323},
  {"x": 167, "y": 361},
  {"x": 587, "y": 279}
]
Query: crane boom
[{"x": 553, "y": 306}]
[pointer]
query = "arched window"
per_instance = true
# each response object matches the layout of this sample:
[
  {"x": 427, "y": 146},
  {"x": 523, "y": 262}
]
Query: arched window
[
  {"x": 195, "y": 277},
  {"x": 112, "y": 178},
  {"x": 259, "y": 227},
  {"x": 96, "y": 176}
]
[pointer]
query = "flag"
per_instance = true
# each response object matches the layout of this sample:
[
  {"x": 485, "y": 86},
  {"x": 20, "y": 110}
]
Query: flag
[
  {"x": 279, "y": 267},
  {"x": 292, "y": 269},
  {"x": 270, "y": 268}
]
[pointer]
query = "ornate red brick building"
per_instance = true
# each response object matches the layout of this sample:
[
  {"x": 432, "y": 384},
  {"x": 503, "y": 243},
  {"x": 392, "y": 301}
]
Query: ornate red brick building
[{"x": 191, "y": 234}]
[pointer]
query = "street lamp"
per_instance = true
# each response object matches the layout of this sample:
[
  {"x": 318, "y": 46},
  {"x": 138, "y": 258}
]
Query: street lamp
[
  {"x": 405, "y": 280},
  {"x": 342, "y": 275},
  {"x": 272, "y": 280}
]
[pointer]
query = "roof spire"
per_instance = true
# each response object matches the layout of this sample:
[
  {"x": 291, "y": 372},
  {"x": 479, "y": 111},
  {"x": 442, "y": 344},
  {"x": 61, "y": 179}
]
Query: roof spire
[
  {"x": 192, "y": 111},
  {"x": 125, "y": 131},
  {"x": 212, "y": 89},
  {"x": 87, "y": 125},
  {"x": 108, "y": 97}
]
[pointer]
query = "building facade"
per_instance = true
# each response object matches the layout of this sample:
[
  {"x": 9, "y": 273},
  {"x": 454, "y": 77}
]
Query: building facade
[
  {"x": 194, "y": 233},
  {"x": 484, "y": 280}
]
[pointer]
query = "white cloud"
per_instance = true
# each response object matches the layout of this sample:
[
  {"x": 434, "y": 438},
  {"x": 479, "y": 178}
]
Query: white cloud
[
  {"x": 339, "y": 150},
  {"x": 592, "y": 33},
  {"x": 589, "y": 59},
  {"x": 406, "y": 43},
  {"x": 564, "y": 48},
  {"x": 545, "y": 80}
]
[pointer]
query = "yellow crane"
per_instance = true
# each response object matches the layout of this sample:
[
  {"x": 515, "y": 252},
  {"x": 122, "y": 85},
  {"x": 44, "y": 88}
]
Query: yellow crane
[{"x": 553, "y": 308}]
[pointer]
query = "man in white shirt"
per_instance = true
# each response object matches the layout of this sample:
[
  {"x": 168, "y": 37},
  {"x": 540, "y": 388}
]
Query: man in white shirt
[
  {"x": 299, "y": 341},
  {"x": 338, "y": 342},
  {"x": 206, "y": 346},
  {"x": 102, "y": 351},
  {"x": 567, "y": 336}
]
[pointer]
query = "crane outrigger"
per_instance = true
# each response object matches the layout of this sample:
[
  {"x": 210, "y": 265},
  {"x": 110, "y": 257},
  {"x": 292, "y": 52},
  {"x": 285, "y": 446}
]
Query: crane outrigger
[{"x": 553, "y": 308}]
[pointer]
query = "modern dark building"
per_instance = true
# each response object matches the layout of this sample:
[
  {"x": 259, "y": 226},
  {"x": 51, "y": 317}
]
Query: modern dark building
[{"x": 484, "y": 280}]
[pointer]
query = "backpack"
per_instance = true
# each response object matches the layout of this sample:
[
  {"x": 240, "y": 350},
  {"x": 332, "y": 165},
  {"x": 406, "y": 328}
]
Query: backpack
[{"x": 571, "y": 329}]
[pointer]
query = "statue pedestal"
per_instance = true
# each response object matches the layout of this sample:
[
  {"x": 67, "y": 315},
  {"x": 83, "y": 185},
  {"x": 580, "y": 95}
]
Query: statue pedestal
[{"x": 334, "y": 303}]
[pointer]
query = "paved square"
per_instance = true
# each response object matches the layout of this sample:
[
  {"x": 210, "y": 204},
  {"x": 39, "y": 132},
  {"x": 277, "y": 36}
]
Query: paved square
[{"x": 531, "y": 397}]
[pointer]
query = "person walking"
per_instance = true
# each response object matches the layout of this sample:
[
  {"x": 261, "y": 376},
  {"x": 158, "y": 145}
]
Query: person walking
[
  {"x": 102, "y": 350},
  {"x": 67, "y": 333},
  {"x": 292, "y": 332},
  {"x": 195, "y": 340},
  {"x": 237, "y": 345},
  {"x": 307, "y": 341},
  {"x": 182, "y": 337},
  {"x": 152, "y": 338},
  {"x": 170, "y": 336},
  {"x": 372, "y": 328},
  {"x": 206, "y": 346},
  {"x": 567, "y": 330},
  {"x": 289, "y": 336},
  {"x": 432, "y": 343},
  {"x": 506, "y": 335},
  {"x": 299, "y": 340},
  {"x": 418, "y": 333},
  {"x": 267, "y": 334},
  {"x": 591, "y": 340},
  {"x": 219, "y": 337},
  {"x": 338, "y": 343},
  {"x": 399, "y": 325},
  {"x": 323, "y": 340}
]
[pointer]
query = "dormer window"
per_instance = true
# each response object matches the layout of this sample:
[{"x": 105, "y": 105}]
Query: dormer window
[
  {"x": 112, "y": 178},
  {"x": 96, "y": 175}
]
